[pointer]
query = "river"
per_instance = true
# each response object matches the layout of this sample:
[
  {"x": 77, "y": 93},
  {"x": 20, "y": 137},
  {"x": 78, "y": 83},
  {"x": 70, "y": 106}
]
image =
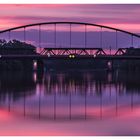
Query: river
[{"x": 70, "y": 103}]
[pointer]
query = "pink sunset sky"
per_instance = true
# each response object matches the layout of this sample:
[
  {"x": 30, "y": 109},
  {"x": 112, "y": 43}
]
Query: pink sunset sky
[{"x": 121, "y": 16}]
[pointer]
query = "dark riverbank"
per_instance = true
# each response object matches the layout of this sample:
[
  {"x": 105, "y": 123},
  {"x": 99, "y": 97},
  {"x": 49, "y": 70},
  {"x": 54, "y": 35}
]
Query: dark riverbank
[
  {"x": 16, "y": 65},
  {"x": 125, "y": 65},
  {"x": 15, "y": 47},
  {"x": 75, "y": 64},
  {"x": 28, "y": 65}
]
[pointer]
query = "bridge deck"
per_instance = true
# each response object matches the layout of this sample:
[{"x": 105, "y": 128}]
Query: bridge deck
[{"x": 66, "y": 57}]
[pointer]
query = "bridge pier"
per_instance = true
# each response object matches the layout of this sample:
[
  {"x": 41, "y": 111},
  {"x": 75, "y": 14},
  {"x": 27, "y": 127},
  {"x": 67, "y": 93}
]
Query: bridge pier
[
  {"x": 38, "y": 65},
  {"x": 110, "y": 65}
]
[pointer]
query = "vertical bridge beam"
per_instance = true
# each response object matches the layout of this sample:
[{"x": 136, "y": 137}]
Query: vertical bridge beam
[{"x": 101, "y": 38}]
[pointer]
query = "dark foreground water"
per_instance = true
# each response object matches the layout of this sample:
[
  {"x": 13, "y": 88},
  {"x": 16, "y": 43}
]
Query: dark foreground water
[{"x": 70, "y": 103}]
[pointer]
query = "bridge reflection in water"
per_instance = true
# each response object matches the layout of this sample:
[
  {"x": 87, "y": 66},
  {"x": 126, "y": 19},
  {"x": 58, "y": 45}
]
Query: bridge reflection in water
[{"x": 72, "y": 95}]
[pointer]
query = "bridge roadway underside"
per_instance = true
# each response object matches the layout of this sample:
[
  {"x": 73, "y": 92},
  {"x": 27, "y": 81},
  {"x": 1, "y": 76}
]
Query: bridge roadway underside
[{"x": 66, "y": 57}]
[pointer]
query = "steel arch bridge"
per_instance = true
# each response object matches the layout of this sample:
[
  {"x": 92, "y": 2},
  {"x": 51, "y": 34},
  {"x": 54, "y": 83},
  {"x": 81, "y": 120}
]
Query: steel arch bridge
[{"x": 73, "y": 52}]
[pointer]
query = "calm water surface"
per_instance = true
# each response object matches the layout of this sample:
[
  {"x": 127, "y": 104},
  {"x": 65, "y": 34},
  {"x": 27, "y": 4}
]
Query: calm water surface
[{"x": 79, "y": 102}]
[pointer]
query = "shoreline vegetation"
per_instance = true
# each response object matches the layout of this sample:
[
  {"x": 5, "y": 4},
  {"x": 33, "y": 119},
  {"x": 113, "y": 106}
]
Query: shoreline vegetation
[{"x": 16, "y": 47}]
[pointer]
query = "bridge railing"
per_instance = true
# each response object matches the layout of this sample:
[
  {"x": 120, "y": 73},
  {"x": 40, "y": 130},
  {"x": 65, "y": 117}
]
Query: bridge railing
[{"x": 74, "y": 51}]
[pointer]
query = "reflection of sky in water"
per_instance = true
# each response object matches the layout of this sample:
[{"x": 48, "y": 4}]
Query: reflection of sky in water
[{"x": 69, "y": 99}]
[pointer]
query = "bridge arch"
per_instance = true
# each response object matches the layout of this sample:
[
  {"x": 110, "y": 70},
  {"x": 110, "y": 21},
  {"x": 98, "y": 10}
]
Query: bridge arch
[{"x": 78, "y": 23}]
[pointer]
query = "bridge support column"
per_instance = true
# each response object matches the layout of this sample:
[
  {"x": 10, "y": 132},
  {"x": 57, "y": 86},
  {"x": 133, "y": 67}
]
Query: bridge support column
[
  {"x": 110, "y": 65},
  {"x": 38, "y": 65}
]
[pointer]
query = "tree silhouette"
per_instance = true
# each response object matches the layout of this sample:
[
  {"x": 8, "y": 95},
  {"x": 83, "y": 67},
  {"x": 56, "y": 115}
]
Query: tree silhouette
[{"x": 15, "y": 44}]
